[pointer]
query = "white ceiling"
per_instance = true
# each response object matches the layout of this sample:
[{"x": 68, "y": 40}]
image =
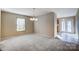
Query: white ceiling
[{"x": 60, "y": 12}]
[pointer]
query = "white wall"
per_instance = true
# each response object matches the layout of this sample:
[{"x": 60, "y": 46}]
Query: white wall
[{"x": 46, "y": 24}]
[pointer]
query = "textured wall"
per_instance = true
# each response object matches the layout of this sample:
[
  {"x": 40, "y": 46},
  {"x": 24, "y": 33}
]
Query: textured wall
[
  {"x": 0, "y": 23},
  {"x": 46, "y": 24},
  {"x": 9, "y": 25}
]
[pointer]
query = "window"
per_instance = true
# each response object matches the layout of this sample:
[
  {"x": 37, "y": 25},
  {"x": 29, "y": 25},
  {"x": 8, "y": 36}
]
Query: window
[
  {"x": 63, "y": 25},
  {"x": 67, "y": 25},
  {"x": 20, "y": 24}
]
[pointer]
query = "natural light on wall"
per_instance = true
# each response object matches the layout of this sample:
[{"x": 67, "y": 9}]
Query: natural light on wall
[{"x": 20, "y": 24}]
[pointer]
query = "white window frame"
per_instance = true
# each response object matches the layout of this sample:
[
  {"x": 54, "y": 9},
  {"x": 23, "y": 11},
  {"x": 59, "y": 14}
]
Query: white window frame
[{"x": 20, "y": 24}]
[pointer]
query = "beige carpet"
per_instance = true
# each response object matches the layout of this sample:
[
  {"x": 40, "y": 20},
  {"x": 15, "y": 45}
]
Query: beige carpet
[{"x": 35, "y": 42}]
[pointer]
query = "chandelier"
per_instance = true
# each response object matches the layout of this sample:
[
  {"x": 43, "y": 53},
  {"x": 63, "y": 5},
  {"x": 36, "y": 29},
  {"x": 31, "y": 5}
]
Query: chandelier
[{"x": 33, "y": 18}]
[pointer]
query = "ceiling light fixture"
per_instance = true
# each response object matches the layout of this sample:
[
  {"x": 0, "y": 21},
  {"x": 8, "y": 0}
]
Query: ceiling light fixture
[{"x": 34, "y": 18}]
